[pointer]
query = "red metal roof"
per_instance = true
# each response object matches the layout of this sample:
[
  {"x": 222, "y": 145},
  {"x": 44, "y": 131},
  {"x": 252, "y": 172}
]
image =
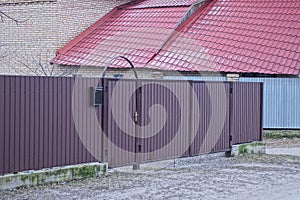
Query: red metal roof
[
  {"x": 238, "y": 36},
  {"x": 228, "y": 36},
  {"x": 135, "y": 33}
]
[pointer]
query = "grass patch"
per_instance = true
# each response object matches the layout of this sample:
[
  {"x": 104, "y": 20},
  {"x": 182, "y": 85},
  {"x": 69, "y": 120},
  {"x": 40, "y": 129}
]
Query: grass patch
[
  {"x": 243, "y": 149},
  {"x": 278, "y": 134}
]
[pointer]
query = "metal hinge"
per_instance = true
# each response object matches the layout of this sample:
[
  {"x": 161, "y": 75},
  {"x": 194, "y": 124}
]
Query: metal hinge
[{"x": 136, "y": 115}]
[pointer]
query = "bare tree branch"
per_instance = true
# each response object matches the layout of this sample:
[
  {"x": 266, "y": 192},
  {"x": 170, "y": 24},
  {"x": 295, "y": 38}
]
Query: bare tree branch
[
  {"x": 5, "y": 51},
  {"x": 28, "y": 67},
  {"x": 3, "y": 15},
  {"x": 40, "y": 68}
]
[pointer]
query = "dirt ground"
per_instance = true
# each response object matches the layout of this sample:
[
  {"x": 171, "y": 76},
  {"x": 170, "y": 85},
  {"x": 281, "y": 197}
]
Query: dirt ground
[
  {"x": 203, "y": 177},
  {"x": 283, "y": 142}
]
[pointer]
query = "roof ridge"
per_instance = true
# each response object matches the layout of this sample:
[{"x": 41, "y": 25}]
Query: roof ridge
[
  {"x": 191, "y": 13},
  {"x": 137, "y": 2},
  {"x": 141, "y": 8},
  {"x": 131, "y": 3},
  {"x": 194, "y": 16}
]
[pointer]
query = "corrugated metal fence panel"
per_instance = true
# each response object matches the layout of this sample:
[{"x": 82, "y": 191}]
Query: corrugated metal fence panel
[
  {"x": 281, "y": 102},
  {"x": 121, "y": 105},
  {"x": 164, "y": 119},
  {"x": 2, "y": 125},
  {"x": 246, "y": 125},
  {"x": 37, "y": 130},
  {"x": 86, "y": 120},
  {"x": 196, "y": 78},
  {"x": 213, "y": 124}
]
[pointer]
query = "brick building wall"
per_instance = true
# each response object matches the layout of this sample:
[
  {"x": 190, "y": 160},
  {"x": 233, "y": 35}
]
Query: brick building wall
[
  {"x": 44, "y": 26},
  {"x": 143, "y": 73}
]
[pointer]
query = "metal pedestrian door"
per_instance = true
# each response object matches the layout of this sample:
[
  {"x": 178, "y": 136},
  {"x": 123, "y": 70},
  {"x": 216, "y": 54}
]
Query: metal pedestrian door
[{"x": 120, "y": 115}]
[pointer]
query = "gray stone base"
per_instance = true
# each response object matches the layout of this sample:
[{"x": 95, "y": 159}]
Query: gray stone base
[
  {"x": 53, "y": 175},
  {"x": 249, "y": 148}
]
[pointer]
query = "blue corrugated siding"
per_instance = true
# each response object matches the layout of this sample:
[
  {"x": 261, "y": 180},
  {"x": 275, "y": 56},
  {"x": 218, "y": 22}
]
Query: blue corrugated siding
[
  {"x": 281, "y": 103},
  {"x": 196, "y": 78}
]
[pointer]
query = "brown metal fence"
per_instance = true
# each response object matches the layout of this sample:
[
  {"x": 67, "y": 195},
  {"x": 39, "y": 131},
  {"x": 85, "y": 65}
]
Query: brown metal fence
[
  {"x": 247, "y": 101},
  {"x": 47, "y": 121},
  {"x": 37, "y": 129}
]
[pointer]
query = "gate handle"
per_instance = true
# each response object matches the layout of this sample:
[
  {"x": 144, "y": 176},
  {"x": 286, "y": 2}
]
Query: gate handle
[{"x": 110, "y": 61}]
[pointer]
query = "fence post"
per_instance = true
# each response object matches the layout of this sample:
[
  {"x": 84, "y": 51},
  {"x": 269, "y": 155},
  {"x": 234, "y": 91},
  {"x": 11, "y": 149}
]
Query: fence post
[
  {"x": 104, "y": 120},
  {"x": 137, "y": 119},
  {"x": 191, "y": 120},
  {"x": 261, "y": 110},
  {"x": 228, "y": 153}
]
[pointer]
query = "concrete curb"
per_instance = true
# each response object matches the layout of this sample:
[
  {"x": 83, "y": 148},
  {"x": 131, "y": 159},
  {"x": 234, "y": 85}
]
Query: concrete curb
[
  {"x": 53, "y": 175},
  {"x": 249, "y": 148}
]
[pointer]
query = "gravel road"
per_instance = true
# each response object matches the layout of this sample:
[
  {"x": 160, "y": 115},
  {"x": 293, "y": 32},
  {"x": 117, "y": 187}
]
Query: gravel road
[{"x": 203, "y": 177}]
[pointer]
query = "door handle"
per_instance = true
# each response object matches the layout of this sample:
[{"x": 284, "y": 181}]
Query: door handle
[{"x": 136, "y": 115}]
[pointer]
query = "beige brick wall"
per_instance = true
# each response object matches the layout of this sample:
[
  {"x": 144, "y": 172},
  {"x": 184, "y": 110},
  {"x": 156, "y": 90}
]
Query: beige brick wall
[
  {"x": 89, "y": 71},
  {"x": 48, "y": 26},
  {"x": 142, "y": 73}
]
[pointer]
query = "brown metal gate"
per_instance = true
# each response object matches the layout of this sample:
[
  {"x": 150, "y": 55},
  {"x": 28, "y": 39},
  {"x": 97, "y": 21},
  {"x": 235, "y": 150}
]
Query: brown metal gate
[
  {"x": 148, "y": 120},
  {"x": 164, "y": 120},
  {"x": 213, "y": 134}
]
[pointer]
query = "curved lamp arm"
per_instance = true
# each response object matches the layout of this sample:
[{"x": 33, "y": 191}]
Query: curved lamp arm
[{"x": 110, "y": 61}]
